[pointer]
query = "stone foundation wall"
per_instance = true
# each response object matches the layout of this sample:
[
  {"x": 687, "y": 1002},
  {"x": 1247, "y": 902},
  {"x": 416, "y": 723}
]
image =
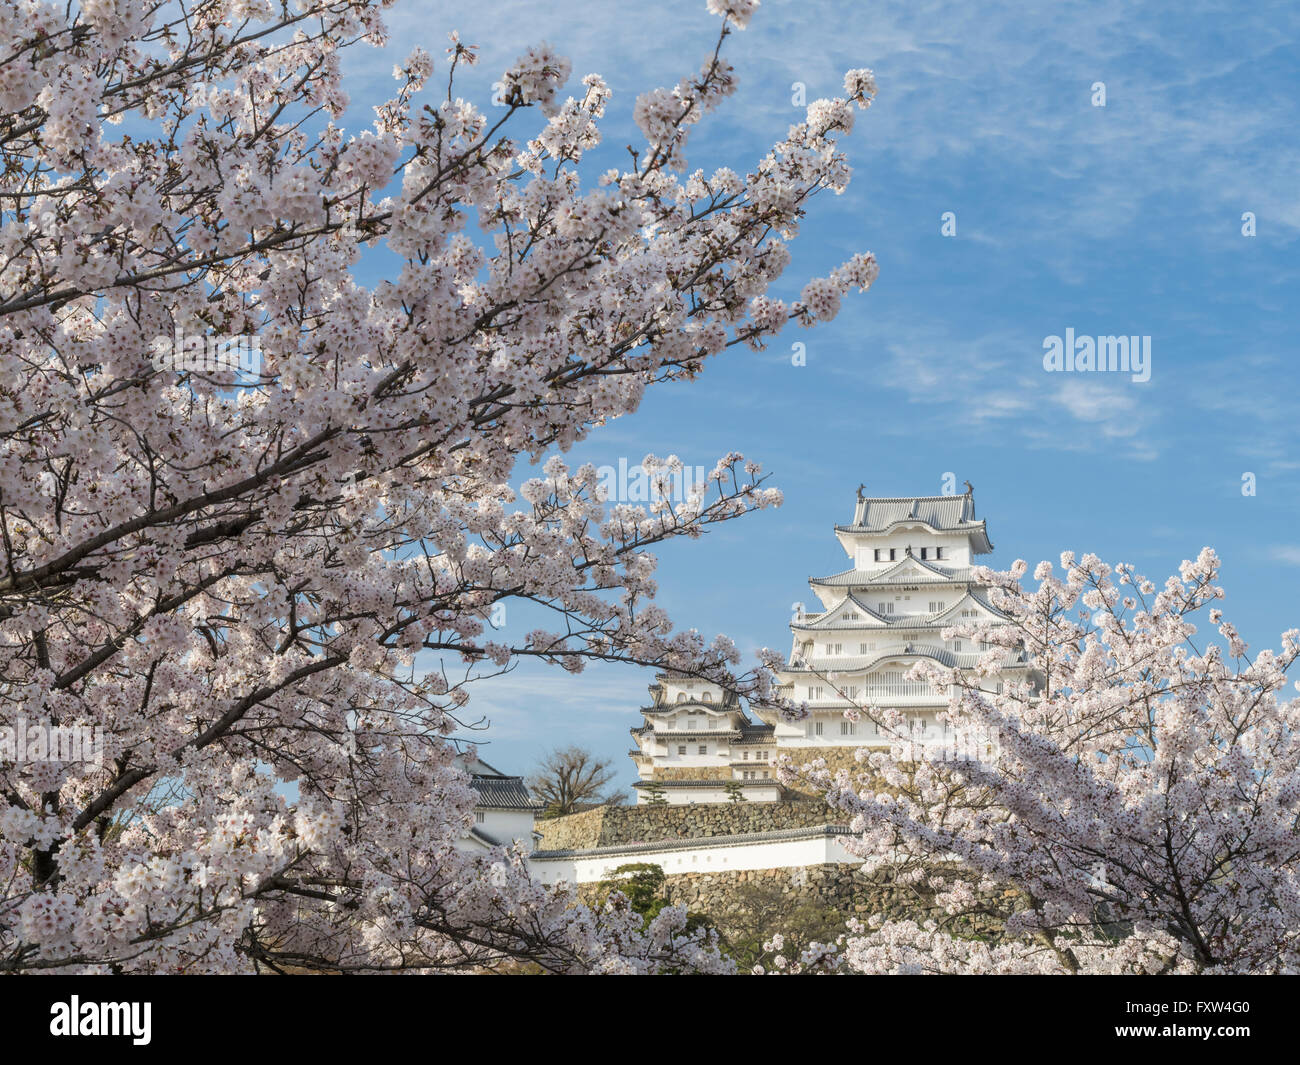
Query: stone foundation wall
[
  {"x": 611, "y": 825},
  {"x": 571, "y": 832},
  {"x": 837, "y": 758},
  {"x": 839, "y": 887},
  {"x": 719, "y": 772}
]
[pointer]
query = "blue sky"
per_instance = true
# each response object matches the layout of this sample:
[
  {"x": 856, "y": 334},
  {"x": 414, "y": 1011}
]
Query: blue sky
[{"x": 1123, "y": 219}]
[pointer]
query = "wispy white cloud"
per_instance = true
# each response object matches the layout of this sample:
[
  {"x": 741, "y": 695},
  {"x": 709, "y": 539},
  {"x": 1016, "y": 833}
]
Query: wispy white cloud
[{"x": 1288, "y": 554}]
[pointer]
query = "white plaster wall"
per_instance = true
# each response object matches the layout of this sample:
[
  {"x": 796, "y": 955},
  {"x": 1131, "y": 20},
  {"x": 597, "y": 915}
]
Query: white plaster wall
[
  {"x": 779, "y": 854},
  {"x": 507, "y": 825}
]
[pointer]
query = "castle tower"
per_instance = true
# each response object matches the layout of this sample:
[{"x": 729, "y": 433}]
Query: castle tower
[{"x": 910, "y": 577}]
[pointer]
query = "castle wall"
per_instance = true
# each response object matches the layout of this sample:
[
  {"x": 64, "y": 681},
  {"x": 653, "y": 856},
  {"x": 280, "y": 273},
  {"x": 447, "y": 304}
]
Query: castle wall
[
  {"x": 615, "y": 825},
  {"x": 789, "y": 849},
  {"x": 716, "y": 894},
  {"x": 837, "y": 758}
]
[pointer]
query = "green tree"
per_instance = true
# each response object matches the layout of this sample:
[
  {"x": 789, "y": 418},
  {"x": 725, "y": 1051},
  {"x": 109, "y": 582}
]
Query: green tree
[
  {"x": 656, "y": 792},
  {"x": 646, "y": 888}
]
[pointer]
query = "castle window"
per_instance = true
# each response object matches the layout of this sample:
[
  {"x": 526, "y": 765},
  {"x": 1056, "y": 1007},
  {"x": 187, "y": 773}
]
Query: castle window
[
  {"x": 681, "y": 697},
  {"x": 745, "y": 756},
  {"x": 708, "y": 697},
  {"x": 479, "y": 816},
  {"x": 704, "y": 748},
  {"x": 818, "y": 728},
  {"x": 681, "y": 749},
  {"x": 938, "y": 552}
]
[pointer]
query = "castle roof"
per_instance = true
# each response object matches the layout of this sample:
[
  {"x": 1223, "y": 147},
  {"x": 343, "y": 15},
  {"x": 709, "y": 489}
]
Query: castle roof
[
  {"x": 764, "y": 782},
  {"x": 877, "y": 515},
  {"x": 502, "y": 793},
  {"x": 924, "y": 570},
  {"x": 834, "y": 621}
]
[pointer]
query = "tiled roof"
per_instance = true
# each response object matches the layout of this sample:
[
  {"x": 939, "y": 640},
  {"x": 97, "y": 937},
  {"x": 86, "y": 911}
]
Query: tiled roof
[
  {"x": 689, "y": 707},
  {"x": 484, "y": 838},
  {"x": 942, "y": 513},
  {"x": 690, "y": 734},
  {"x": 860, "y": 662},
  {"x": 702, "y": 783},
  {"x": 502, "y": 793},
  {"x": 893, "y": 621},
  {"x": 935, "y": 574},
  {"x": 857, "y": 663},
  {"x": 755, "y": 735},
  {"x": 820, "y": 622}
]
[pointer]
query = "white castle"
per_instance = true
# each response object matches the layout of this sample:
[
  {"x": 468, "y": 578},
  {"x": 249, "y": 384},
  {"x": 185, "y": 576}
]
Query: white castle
[{"x": 911, "y": 577}]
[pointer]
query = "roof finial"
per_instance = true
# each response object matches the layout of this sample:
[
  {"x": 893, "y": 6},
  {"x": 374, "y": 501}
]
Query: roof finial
[
  {"x": 970, "y": 488},
  {"x": 861, "y": 488}
]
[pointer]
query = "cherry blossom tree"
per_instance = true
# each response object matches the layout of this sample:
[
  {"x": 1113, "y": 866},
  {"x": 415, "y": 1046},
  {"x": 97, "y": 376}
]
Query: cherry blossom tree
[
  {"x": 269, "y": 585},
  {"x": 1136, "y": 808}
]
